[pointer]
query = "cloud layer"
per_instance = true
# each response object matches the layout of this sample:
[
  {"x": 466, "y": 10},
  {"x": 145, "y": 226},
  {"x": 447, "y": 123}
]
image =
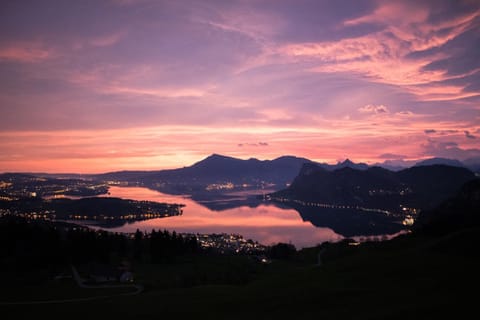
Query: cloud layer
[{"x": 97, "y": 86}]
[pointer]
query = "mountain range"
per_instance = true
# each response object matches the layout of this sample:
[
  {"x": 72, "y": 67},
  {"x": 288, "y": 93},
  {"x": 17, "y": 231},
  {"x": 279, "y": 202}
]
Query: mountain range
[
  {"x": 219, "y": 169},
  {"x": 345, "y": 182},
  {"x": 422, "y": 186},
  {"x": 345, "y": 189}
]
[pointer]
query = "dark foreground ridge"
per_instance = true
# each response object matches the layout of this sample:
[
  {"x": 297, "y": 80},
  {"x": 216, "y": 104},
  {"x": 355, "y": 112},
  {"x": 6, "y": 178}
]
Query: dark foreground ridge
[{"x": 421, "y": 187}]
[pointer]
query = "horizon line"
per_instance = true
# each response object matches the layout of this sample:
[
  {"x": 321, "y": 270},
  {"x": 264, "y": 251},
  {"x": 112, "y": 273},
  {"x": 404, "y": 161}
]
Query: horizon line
[{"x": 407, "y": 163}]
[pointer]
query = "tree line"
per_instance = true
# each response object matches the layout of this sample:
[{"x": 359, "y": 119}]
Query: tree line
[{"x": 27, "y": 244}]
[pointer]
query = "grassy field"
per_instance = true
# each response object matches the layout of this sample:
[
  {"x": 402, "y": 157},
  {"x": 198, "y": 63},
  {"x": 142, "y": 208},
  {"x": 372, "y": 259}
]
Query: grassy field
[{"x": 408, "y": 277}]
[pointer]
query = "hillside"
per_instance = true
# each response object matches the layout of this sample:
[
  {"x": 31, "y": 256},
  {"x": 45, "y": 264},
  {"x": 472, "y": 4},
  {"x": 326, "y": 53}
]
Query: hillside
[
  {"x": 418, "y": 187},
  {"x": 459, "y": 212},
  {"x": 412, "y": 276}
]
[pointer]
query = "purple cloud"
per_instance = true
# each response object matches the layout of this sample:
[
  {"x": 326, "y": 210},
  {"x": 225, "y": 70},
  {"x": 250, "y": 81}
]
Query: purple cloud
[
  {"x": 392, "y": 156},
  {"x": 259, "y": 144},
  {"x": 449, "y": 149}
]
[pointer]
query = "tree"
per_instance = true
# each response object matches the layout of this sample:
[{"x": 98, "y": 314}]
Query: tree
[{"x": 284, "y": 251}]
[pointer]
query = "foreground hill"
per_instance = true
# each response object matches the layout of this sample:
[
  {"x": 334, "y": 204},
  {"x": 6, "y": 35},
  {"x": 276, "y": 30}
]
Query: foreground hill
[
  {"x": 414, "y": 276},
  {"x": 417, "y": 187},
  {"x": 459, "y": 212}
]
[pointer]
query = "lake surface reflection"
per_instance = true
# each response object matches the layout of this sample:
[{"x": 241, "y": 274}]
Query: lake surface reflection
[{"x": 265, "y": 223}]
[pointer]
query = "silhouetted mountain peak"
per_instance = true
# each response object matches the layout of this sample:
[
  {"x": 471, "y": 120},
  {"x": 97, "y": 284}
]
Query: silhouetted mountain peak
[
  {"x": 350, "y": 164},
  {"x": 216, "y": 156},
  {"x": 291, "y": 158},
  {"x": 214, "y": 159},
  {"x": 218, "y": 168}
]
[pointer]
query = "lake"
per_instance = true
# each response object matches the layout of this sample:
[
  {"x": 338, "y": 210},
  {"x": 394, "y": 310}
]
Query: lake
[{"x": 264, "y": 222}]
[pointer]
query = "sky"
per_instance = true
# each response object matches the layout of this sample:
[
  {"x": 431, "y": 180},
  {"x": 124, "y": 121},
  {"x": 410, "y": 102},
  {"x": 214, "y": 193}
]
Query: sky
[{"x": 105, "y": 85}]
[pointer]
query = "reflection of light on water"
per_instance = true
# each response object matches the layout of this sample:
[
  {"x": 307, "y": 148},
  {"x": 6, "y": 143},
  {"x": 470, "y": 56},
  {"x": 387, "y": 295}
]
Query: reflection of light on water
[
  {"x": 379, "y": 238},
  {"x": 266, "y": 224}
]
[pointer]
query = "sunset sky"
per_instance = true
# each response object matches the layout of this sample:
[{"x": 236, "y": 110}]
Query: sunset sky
[{"x": 95, "y": 86}]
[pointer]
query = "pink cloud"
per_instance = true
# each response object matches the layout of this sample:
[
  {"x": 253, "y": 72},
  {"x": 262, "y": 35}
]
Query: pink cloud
[
  {"x": 241, "y": 19},
  {"x": 162, "y": 147},
  {"x": 441, "y": 92},
  {"x": 106, "y": 40},
  {"x": 28, "y": 52},
  {"x": 393, "y": 12},
  {"x": 164, "y": 92},
  {"x": 384, "y": 56},
  {"x": 376, "y": 109},
  {"x": 378, "y": 57}
]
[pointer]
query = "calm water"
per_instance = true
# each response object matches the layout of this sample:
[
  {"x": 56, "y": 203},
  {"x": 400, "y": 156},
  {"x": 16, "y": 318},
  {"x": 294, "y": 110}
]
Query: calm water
[{"x": 265, "y": 223}]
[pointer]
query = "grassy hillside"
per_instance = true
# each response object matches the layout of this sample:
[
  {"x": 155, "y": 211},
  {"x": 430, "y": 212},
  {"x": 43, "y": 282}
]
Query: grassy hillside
[{"x": 411, "y": 276}]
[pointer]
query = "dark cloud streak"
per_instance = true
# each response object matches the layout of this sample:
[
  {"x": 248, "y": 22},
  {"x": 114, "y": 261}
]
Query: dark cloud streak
[
  {"x": 392, "y": 156},
  {"x": 468, "y": 135},
  {"x": 259, "y": 144}
]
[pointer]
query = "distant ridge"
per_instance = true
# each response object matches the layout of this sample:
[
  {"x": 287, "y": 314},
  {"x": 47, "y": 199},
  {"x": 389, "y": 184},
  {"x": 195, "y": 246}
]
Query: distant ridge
[
  {"x": 472, "y": 164},
  {"x": 445, "y": 161},
  {"x": 217, "y": 169},
  {"x": 349, "y": 164}
]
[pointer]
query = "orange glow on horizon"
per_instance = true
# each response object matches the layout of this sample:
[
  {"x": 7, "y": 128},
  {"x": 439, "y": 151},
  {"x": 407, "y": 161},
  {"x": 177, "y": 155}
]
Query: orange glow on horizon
[{"x": 174, "y": 147}]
